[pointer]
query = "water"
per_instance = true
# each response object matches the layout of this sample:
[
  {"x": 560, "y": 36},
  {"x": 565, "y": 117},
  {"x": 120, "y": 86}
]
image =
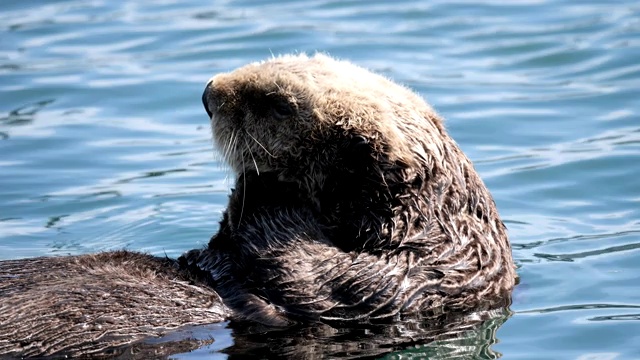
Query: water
[{"x": 104, "y": 143}]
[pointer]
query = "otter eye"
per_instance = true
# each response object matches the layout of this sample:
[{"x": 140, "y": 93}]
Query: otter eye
[
  {"x": 357, "y": 150},
  {"x": 358, "y": 141},
  {"x": 281, "y": 109}
]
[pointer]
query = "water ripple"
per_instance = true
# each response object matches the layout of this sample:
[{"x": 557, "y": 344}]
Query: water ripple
[{"x": 105, "y": 145}]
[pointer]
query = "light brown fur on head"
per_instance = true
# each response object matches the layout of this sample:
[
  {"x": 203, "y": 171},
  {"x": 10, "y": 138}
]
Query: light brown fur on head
[{"x": 328, "y": 98}]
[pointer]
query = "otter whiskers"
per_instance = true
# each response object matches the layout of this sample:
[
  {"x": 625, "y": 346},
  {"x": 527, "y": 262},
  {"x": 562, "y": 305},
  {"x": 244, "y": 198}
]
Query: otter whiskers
[
  {"x": 244, "y": 189},
  {"x": 262, "y": 146},
  {"x": 252, "y": 158},
  {"x": 229, "y": 148}
]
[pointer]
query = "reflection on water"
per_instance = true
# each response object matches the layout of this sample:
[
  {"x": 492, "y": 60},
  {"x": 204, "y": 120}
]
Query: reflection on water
[
  {"x": 464, "y": 338},
  {"x": 451, "y": 338},
  {"x": 23, "y": 115}
]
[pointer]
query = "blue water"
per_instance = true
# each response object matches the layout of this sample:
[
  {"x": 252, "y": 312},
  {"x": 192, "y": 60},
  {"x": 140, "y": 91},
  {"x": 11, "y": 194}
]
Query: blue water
[{"x": 104, "y": 143}]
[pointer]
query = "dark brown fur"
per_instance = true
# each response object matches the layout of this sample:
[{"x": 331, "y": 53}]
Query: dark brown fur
[
  {"x": 99, "y": 305},
  {"x": 352, "y": 202}
]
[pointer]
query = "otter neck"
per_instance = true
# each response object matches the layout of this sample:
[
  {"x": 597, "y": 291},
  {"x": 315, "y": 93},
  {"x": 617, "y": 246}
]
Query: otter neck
[{"x": 362, "y": 208}]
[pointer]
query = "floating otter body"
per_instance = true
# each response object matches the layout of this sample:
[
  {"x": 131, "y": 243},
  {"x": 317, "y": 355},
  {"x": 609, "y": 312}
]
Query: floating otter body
[
  {"x": 352, "y": 205},
  {"x": 99, "y": 305}
]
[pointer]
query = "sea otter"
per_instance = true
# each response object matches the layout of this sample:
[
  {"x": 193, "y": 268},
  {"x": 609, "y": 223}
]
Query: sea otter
[
  {"x": 352, "y": 206},
  {"x": 352, "y": 202}
]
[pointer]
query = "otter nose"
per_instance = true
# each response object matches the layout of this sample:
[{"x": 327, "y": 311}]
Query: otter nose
[{"x": 206, "y": 96}]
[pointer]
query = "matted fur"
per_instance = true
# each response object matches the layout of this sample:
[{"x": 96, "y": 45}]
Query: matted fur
[
  {"x": 99, "y": 305},
  {"x": 352, "y": 203}
]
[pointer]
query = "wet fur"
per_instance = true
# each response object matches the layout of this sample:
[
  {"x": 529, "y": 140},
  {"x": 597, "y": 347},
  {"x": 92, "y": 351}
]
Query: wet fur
[
  {"x": 99, "y": 305},
  {"x": 354, "y": 203}
]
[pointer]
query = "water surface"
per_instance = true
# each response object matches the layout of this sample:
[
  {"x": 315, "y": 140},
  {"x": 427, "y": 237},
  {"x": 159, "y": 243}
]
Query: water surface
[{"x": 104, "y": 143}]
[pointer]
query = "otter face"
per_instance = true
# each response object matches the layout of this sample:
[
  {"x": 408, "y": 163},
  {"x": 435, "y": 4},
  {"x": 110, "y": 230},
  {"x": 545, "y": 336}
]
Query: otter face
[{"x": 308, "y": 116}]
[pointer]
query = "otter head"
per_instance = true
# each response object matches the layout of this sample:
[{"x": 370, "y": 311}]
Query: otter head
[{"x": 352, "y": 140}]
